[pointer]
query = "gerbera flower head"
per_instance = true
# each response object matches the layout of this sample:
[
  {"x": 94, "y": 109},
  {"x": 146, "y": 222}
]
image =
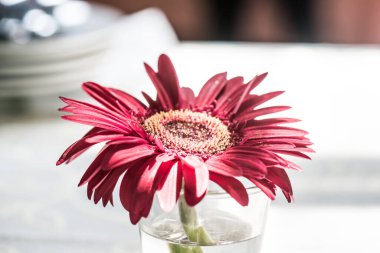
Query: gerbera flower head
[{"x": 182, "y": 141}]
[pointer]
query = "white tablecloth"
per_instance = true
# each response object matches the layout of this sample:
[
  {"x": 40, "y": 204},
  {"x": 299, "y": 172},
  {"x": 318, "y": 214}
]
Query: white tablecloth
[{"x": 334, "y": 89}]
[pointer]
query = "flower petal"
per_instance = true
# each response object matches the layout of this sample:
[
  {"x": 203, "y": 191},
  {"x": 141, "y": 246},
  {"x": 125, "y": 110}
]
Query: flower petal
[
  {"x": 108, "y": 198},
  {"x": 129, "y": 183},
  {"x": 95, "y": 166},
  {"x": 297, "y": 141},
  {"x": 162, "y": 94},
  {"x": 127, "y": 155},
  {"x": 125, "y": 139},
  {"x": 108, "y": 183},
  {"x": 260, "y": 112},
  {"x": 196, "y": 177},
  {"x": 232, "y": 186},
  {"x": 269, "y": 122},
  {"x": 293, "y": 166},
  {"x": 249, "y": 165},
  {"x": 171, "y": 188},
  {"x": 102, "y": 95},
  {"x": 211, "y": 90},
  {"x": 83, "y": 144},
  {"x": 272, "y": 131},
  {"x": 220, "y": 166},
  {"x": 95, "y": 181},
  {"x": 231, "y": 88},
  {"x": 249, "y": 87},
  {"x": 102, "y": 118},
  {"x": 279, "y": 177},
  {"x": 186, "y": 98},
  {"x": 95, "y": 121},
  {"x": 267, "y": 157},
  {"x": 266, "y": 186},
  {"x": 224, "y": 109},
  {"x": 153, "y": 105},
  {"x": 89, "y": 110},
  {"x": 292, "y": 153},
  {"x": 252, "y": 101},
  {"x": 168, "y": 77},
  {"x": 147, "y": 184},
  {"x": 128, "y": 101}
]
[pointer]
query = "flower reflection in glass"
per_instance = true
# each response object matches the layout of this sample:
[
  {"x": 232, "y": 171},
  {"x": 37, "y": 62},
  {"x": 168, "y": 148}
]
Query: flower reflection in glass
[{"x": 182, "y": 141}]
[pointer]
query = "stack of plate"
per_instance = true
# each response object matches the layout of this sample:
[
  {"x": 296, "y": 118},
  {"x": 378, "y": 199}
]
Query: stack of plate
[{"x": 44, "y": 68}]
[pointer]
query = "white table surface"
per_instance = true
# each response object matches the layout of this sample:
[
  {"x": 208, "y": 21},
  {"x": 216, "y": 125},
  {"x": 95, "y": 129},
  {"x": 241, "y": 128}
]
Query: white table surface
[{"x": 334, "y": 89}]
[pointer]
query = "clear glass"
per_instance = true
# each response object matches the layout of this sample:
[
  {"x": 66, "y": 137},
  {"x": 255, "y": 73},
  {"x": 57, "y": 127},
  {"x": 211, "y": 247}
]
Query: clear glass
[{"x": 218, "y": 224}]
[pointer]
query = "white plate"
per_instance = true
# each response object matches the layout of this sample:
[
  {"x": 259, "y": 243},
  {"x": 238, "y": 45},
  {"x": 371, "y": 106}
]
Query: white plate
[
  {"x": 92, "y": 38},
  {"x": 43, "y": 68},
  {"x": 51, "y": 84},
  {"x": 39, "y": 91}
]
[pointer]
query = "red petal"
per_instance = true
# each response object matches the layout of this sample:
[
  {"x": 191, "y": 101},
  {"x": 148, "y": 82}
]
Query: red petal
[
  {"x": 78, "y": 107},
  {"x": 95, "y": 166},
  {"x": 103, "y": 118},
  {"x": 79, "y": 146},
  {"x": 97, "y": 122},
  {"x": 249, "y": 165},
  {"x": 292, "y": 153},
  {"x": 99, "y": 117},
  {"x": 249, "y": 87},
  {"x": 265, "y": 156},
  {"x": 159, "y": 145},
  {"x": 108, "y": 196},
  {"x": 186, "y": 97},
  {"x": 168, "y": 77},
  {"x": 95, "y": 182},
  {"x": 269, "y": 122},
  {"x": 232, "y": 186},
  {"x": 297, "y": 141},
  {"x": 293, "y": 166},
  {"x": 108, "y": 183},
  {"x": 128, "y": 155},
  {"x": 211, "y": 90},
  {"x": 148, "y": 207},
  {"x": 107, "y": 199},
  {"x": 129, "y": 183},
  {"x": 279, "y": 177},
  {"x": 267, "y": 187},
  {"x": 230, "y": 103},
  {"x": 106, "y": 137},
  {"x": 102, "y": 95},
  {"x": 260, "y": 112},
  {"x": 127, "y": 140},
  {"x": 217, "y": 165},
  {"x": 163, "y": 95},
  {"x": 231, "y": 88},
  {"x": 152, "y": 104},
  {"x": 128, "y": 101},
  {"x": 287, "y": 147},
  {"x": 253, "y": 101},
  {"x": 147, "y": 185},
  {"x": 170, "y": 191},
  {"x": 278, "y": 146},
  {"x": 196, "y": 177},
  {"x": 272, "y": 131}
]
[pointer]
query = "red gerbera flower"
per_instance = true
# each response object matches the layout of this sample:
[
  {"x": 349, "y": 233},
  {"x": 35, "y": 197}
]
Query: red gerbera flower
[{"x": 180, "y": 138}]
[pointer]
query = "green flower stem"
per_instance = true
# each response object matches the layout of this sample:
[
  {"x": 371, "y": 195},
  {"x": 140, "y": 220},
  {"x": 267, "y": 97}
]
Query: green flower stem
[{"x": 194, "y": 231}]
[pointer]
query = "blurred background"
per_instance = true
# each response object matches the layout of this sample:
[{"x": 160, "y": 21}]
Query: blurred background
[
  {"x": 324, "y": 53},
  {"x": 332, "y": 21}
]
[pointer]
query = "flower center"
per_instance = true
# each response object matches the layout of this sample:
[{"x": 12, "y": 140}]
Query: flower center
[{"x": 193, "y": 132}]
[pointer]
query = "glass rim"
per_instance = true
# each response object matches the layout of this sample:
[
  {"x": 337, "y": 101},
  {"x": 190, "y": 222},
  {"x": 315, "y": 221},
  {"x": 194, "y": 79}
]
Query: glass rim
[{"x": 250, "y": 190}]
